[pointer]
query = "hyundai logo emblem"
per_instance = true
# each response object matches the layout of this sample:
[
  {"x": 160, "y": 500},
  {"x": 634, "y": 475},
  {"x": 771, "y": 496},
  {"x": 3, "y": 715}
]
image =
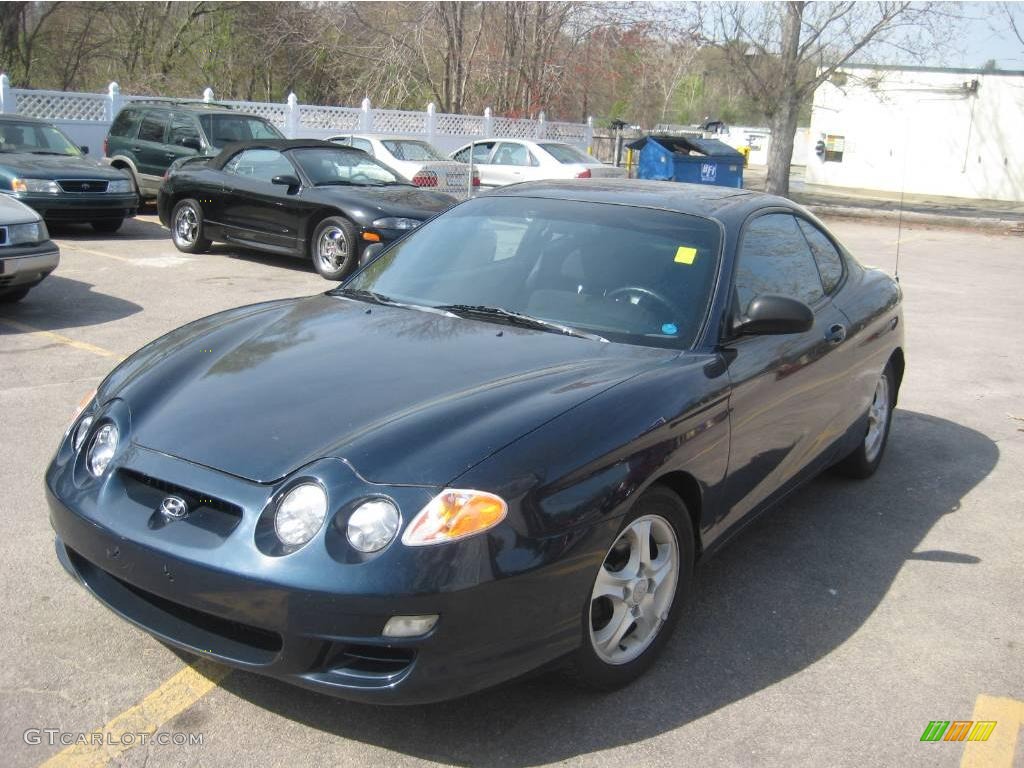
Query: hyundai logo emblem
[{"x": 174, "y": 507}]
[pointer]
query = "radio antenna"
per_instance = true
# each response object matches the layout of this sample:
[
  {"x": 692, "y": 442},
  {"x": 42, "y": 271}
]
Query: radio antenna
[{"x": 903, "y": 189}]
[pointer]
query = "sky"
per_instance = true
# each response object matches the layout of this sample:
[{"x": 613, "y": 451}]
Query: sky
[{"x": 983, "y": 40}]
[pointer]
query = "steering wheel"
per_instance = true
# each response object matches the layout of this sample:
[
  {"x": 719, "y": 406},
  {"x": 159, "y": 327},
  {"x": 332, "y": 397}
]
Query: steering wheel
[{"x": 670, "y": 310}]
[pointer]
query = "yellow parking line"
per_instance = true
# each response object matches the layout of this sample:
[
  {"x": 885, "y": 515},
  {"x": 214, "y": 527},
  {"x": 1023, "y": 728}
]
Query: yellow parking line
[
  {"x": 60, "y": 338},
  {"x": 91, "y": 252},
  {"x": 169, "y": 700},
  {"x": 998, "y": 751}
]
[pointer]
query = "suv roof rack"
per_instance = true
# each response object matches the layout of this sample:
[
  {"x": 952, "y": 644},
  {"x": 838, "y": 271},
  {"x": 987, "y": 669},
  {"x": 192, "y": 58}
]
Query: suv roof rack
[{"x": 182, "y": 102}]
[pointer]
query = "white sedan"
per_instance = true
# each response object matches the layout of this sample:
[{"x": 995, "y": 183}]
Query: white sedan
[
  {"x": 508, "y": 161},
  {"x": 416, "y": 159}
]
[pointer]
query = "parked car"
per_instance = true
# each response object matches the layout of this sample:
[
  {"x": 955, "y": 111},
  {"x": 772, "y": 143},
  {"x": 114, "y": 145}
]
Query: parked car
[
  {"x": 417, "y": 160},
  {"x": 504, "y": 442},
  {"x": 306, "y": 198},
  {"x": 43, "y": 168},
  {"x": 27, "y": 254},
  {"x": 146, "y": 138},
  {"x": 510, "y": 161}
]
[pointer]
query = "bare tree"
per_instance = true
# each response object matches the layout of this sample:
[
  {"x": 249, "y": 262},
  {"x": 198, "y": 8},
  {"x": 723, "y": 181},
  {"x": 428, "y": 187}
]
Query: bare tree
[{"x": 781, "y": 52}]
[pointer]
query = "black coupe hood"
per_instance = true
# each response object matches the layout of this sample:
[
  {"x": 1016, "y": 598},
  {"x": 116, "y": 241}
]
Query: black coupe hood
[
  {"x": 398, "y": 200},
  {"x": 59, "y": 166},
  {"x": 406, "y": 396}
]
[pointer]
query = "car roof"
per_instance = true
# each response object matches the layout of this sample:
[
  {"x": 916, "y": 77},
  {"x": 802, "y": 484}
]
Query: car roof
[
  {"x": 189, "y": 106},
  {"x": 381, "y": 136},
  {"x": 281, "y": 145},
  {"x": 696, "y": 199},
  {"x": 23, "y": 119}
]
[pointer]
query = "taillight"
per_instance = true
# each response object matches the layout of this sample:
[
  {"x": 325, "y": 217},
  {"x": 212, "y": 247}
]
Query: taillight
[
  {"x": 425, "y": 179},
  {"x": 476, "y": 179},
  {"x": 106, "y": 147},
  {"x": 583, "y": 174}
]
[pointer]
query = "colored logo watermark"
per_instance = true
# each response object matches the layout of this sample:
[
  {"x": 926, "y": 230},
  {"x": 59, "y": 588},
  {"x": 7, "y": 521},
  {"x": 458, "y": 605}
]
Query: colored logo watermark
[{"x": 958, "y": 730}]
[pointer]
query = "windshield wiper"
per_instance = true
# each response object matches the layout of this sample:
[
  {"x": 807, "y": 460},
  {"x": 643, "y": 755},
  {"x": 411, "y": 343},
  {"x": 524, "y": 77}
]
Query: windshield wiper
[
  {"x": 335, "y": 183},
  {"x": 49, "y": 152},
  {"x": 371, "y": 296},
  {"x": 516, "y": 318}
]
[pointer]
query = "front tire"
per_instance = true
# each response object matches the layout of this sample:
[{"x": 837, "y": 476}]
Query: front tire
[
  {"x": 638, "y": 594},
  {"x": 333, "y": 248},
  {"x": 187, "y": 227},
  {"x": 867, "y": 456},
  {"x": 107, "y": 226}
]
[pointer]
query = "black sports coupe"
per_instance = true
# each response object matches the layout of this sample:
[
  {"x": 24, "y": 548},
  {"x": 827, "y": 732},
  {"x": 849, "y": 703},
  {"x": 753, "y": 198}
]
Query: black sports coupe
[
  {"x": 505, "y": 442},
  {"x": 305, "y": 198}
]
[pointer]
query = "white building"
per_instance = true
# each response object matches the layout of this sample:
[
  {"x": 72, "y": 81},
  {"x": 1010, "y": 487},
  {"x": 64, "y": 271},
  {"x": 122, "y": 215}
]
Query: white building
[{"x": 950, "y": 132}]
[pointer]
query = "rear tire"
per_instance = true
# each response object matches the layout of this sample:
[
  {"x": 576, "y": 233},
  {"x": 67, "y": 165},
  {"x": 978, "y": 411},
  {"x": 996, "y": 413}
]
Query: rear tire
[
  {"x": 107, "y": 225},
  {"x": 865, "y": 459},
  {"x": 334, "y": 248},
  {"x": 638, "y": 594},
  {"x": 187, "y": 227},
  {"x": 11, "y": 295}
]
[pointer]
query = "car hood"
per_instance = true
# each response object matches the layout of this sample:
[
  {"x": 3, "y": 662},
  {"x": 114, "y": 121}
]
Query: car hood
[
  {"x": 58, "y": 166},
  {"x": 406, "y": 396},
  {"x": 15, "y": 212},
  {"x": 374, "y": 202}
]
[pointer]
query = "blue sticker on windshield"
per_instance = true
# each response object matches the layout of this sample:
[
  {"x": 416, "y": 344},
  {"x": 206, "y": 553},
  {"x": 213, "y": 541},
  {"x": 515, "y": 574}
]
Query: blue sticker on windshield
[{"x": 669, "y": 329}]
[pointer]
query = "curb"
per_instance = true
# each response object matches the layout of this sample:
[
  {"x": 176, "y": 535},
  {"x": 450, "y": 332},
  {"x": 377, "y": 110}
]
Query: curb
[{"x": 1015, "y": 226}]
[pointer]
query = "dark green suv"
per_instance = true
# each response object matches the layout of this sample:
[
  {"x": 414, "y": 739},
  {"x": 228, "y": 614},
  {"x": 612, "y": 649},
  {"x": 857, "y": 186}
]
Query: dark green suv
[{"x": 147, "y": 137}]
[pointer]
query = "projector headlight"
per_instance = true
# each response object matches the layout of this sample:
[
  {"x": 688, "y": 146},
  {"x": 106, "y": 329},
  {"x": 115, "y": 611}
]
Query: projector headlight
[
  {"x": 394, "y": 222},
  {"x": 101, "y": 451},
  {"x": 373, "y": 525},
  {"x": 300, "y": 514}
]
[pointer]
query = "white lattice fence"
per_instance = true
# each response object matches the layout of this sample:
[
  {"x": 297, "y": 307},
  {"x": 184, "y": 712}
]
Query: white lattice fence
[
  {"x": 60, "y": 105},
  {"x": 512, "y": 128},
  {"x": 275, "y": 113},
  {"x": 459, "y": 125},
  {"x": 330, "y": 118},
  {"x": 571, "y": 133},
  {"x": 399, "y": 121}
]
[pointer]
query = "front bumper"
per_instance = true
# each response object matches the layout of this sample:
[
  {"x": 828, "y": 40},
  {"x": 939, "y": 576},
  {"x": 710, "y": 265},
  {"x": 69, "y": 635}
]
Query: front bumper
[
  {"x": 313, "y": 618},
  {"x": 27, "y": 264},
  {"x": 80, "y": 206}
]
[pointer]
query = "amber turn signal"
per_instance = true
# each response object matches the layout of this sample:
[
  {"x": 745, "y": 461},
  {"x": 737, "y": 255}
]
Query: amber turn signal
[{"x": 455, "y": 514}]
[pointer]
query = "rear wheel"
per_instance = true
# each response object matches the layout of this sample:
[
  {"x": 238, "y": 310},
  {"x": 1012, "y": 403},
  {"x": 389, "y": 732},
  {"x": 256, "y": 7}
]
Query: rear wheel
[
  {"x": 638, "y": 593},
  {"x": 867, "y": 456},
  {"x": 187, "y": 227},
  {"x": 11, "y": 295},
  {"x": 333, "y": 248},
  {"x": 107, "y": 225}
]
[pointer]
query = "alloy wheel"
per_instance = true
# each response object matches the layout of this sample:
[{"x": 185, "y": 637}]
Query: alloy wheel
[
  {"x": 878, "y": 419},
  {"x": 186, "y": 226},
  {"x": 332, "y": 249}
]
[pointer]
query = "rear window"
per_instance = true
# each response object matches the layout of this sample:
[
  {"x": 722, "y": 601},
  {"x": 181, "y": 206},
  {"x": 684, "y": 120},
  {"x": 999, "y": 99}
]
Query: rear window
[
  {"x": 224, "y": 129},
  {"x": 567, "y": 155},
  {"x": 125, "y": 123},
  {"x": 402, "y": 149}
]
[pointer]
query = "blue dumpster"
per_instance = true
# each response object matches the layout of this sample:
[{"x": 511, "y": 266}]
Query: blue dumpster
[{"x": 689, "y": 159}]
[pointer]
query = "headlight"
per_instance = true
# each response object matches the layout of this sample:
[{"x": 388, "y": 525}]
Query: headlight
[
  {"x": 102, "y": 449},
  {"x": 300, "y": 514},
  {"x": 35, "y": 185},
  {"x": 393, "y": 222},
  {"x": 454, "y": 514},
  {"x": 119, "y": 186},
  {"x": 81, "y": 432},
  {"x": 84, "y": 403},
  {"x": 23, "y": 234},
  {"x": 373, "y": 525}
]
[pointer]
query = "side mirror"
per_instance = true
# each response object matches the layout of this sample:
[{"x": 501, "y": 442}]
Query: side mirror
[
  {"x": 191, "y": 142},
  {"x": 84, "y": 149},
  {"x": 287, "y": 180},
  {"x": 770, "y": 315}
]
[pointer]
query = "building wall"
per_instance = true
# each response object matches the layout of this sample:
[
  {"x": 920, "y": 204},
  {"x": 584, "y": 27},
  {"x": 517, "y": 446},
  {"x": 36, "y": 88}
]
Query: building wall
[{"x": 926, "y": 132}]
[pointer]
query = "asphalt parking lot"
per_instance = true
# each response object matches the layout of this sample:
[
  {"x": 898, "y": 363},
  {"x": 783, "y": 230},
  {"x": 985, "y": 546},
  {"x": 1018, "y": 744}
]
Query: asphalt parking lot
[{"x": 830, "y": 633}]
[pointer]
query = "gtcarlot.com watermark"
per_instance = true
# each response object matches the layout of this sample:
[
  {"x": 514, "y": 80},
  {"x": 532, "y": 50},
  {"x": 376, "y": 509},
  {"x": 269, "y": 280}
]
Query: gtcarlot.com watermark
[{"x": 55, "y": 737}]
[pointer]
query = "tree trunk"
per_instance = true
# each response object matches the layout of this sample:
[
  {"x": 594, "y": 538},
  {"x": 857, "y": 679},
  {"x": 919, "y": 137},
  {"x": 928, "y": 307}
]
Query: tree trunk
[{"x": 780, "y": 147}]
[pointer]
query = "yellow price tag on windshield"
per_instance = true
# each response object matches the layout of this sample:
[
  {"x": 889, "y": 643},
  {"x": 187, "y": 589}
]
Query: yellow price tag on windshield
[{"x": 686, "y": 255}]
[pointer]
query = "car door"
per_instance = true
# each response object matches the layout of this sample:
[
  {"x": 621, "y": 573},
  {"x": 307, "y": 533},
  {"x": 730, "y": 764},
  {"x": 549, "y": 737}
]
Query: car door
[
  {"x": 150, "y": 149},
  {"x": 787, "y": 402},
  {"x": 480, "y": 153},
  {"x": 254, "y": 209},
  {"x": 511, "y": 163}
]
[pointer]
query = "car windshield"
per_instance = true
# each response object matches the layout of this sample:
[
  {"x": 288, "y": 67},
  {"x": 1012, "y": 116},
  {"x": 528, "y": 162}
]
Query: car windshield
[
  {"x": 407, "y": 149},
  {"x": 35, "y": 138},
  {"x": 325, "y": 167},
  {"x": 628, "y": 274},
  {"x": 567, "y": 155},
  {"x": 224, "y": 129}
]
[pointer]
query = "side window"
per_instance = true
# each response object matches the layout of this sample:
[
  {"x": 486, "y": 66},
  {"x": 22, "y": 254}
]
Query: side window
[
  {"x": 125, "y": 122},
  {"x": 830, "y": 263},
  {"x": 153, "y": 126},
  {"x": 183, "y": 132},
  {"x": 364, "y": 145},
  {"x": 774, "y": 258},
  {"x": 511, "y": 154},
  {"x": 482, "y": 153},
  {"x": 259, "y": 164}
]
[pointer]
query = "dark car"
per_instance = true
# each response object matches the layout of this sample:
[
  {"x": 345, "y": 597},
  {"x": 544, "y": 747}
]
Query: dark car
[
  {"x": 305, "y": 198},
  {"x": 146, "y": 138},
  {"x": 44, "y": 169},
  {"x": 27, "y": 254},
  {"x": 503, "y": 443}
]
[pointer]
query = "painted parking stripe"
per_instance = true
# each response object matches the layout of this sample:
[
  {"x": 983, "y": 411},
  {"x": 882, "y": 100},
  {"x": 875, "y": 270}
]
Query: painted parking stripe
[
  {"x": 60, "y": 338},
  {"x": 997, "y": 751},
  {"x": 169, "y": 700},
  {"x": 151, "y": 261}
]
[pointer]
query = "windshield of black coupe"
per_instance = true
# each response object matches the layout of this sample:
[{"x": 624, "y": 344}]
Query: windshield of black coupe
[
  {"x": 343, "y": 167},
  {"x": 628, "y": 274}
]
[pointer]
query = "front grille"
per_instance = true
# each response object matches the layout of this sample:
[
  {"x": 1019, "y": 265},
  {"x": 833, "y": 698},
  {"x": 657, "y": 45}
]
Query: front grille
[
  {"x": 221, "y": 516},
  {"x": 82, "y": 185}
]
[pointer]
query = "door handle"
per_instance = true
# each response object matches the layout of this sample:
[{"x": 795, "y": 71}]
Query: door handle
[
  {"x": 136, "y": 149},
  {"x": 836, "y": 334}
]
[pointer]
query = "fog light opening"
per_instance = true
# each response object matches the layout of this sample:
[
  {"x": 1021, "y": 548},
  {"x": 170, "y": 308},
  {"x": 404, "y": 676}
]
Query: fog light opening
[{"x": 410, "y": 626}]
